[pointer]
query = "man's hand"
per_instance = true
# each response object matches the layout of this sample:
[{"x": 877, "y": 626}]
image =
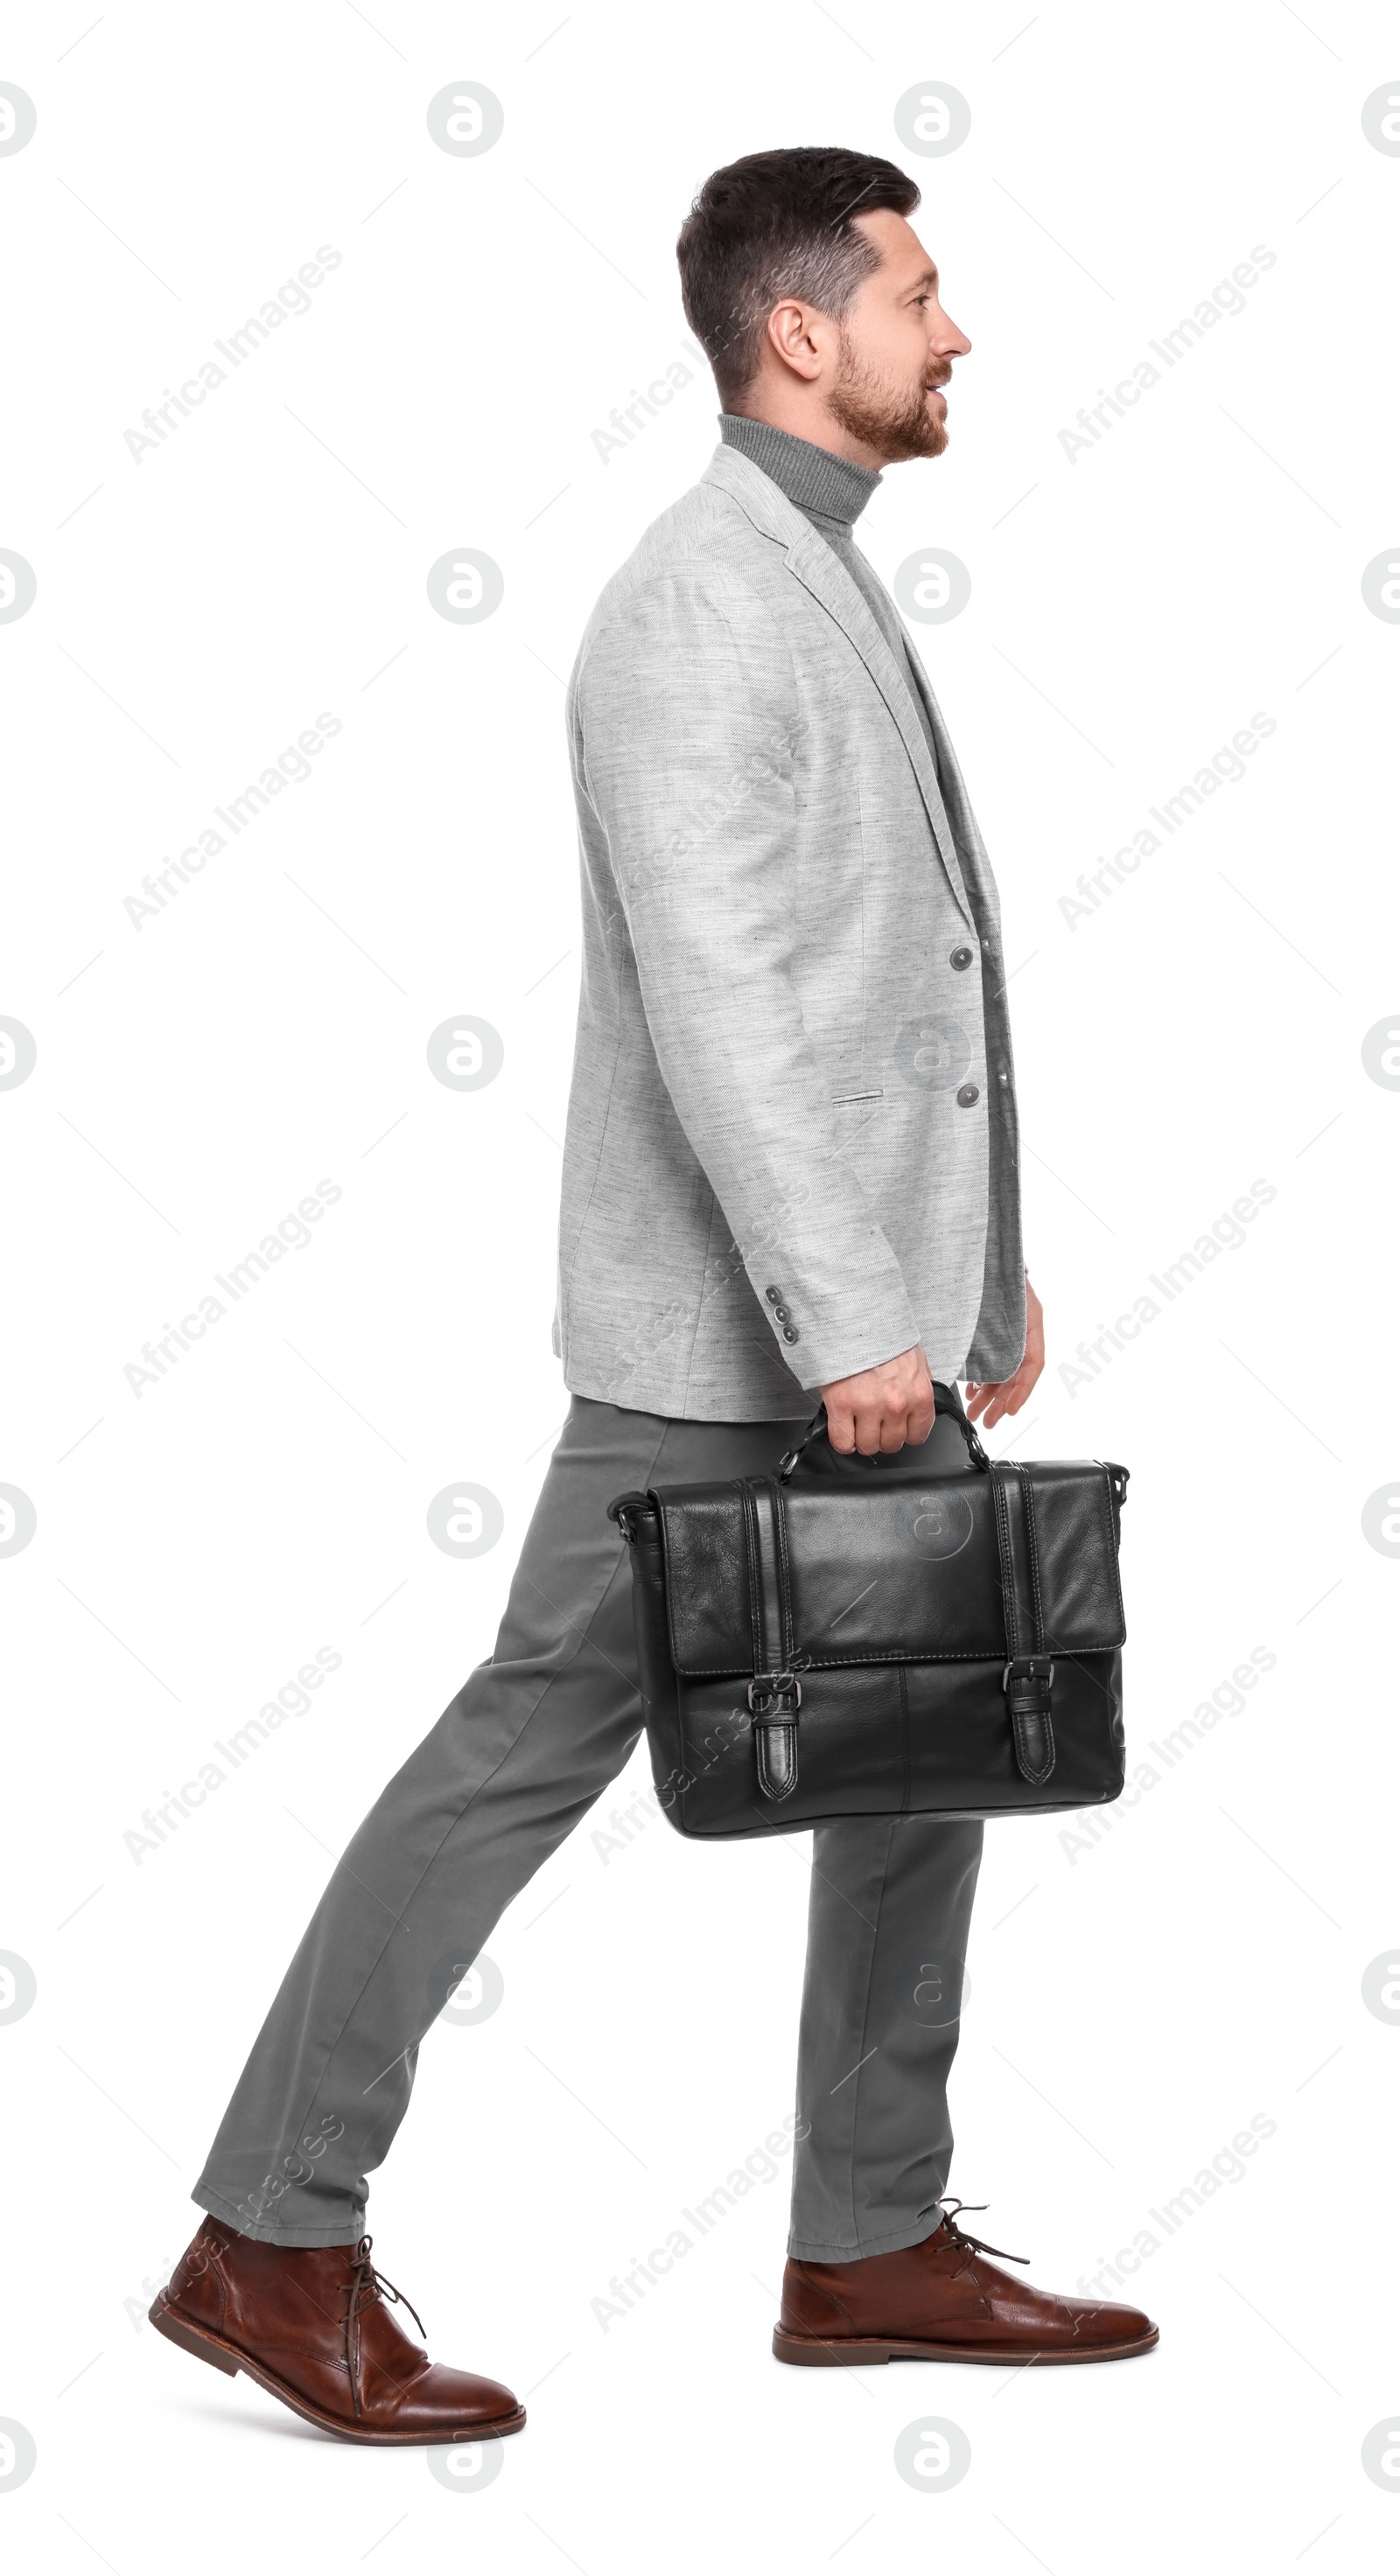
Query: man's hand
[
  {"x": 881, "y": 1408},
  {"x": 987, "y": 1404}
]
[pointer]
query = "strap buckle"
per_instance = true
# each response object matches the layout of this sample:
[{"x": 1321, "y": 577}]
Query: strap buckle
[
  {"x": 1033, "y": 1674},
  {"x": 775, "y": 1698},
  {"x": 1027, "y": 1680}
]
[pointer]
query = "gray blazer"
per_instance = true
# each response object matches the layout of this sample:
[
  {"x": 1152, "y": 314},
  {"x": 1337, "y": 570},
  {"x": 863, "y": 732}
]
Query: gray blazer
[{"x": 791, "y": 1147}]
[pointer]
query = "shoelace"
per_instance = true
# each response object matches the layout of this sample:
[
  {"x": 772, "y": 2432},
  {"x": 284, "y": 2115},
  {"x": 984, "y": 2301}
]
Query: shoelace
[
  {"x": 973, "y": 2244},
  {"x": 365, "y": 2285}
]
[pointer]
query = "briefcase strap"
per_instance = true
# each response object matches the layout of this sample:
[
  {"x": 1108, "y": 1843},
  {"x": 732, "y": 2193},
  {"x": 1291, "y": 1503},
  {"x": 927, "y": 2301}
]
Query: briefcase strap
[
  {"x": 775, "y": 1692},
  {"x": 1028, "y": 1676}
]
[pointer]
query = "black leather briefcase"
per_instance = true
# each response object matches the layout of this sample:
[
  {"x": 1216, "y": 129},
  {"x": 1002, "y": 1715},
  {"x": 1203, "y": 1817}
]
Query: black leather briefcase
[{"x": 812, "y": 1647}]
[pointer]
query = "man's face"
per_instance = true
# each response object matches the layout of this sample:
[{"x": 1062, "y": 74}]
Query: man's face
[{"x": 897, "y": 347}]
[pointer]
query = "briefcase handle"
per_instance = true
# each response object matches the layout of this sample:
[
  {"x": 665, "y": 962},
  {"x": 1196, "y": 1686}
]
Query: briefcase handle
[{"x": 976, "y": 1453}]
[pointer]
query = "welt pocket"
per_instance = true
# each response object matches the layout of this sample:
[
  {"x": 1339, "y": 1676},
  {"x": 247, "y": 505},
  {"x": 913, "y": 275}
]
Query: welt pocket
[{"x": 854, "y": 1099}]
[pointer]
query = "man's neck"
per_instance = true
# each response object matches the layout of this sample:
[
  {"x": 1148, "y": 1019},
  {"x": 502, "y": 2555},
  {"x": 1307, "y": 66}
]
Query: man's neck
[{"x": 815, "y": 479}]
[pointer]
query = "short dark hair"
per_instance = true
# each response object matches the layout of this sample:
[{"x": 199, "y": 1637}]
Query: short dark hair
[{"x": 775, "y": 224}]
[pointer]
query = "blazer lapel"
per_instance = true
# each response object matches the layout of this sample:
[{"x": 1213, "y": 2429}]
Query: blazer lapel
[
  {"x": 967, "y": 838},
  {"x": 822, "y": 573},
  {"x": 812, "y": 562}
]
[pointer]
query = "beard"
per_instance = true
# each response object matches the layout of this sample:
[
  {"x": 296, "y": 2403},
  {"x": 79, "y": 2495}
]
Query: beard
[{"x": 890, "y": 415}]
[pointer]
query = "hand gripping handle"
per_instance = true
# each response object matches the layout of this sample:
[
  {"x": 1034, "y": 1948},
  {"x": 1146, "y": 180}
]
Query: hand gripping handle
[{"x": 819, "y": 1425}]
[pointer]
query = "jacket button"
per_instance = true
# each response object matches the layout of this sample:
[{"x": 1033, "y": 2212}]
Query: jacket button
[
  {"x": 961, "y": 958},
  {"x": 791, "y": 1333},
  {"x": 772, "y": 1295},
  {"x": 968, "y": 1094},
  {"x": 782, "y": 1313}
]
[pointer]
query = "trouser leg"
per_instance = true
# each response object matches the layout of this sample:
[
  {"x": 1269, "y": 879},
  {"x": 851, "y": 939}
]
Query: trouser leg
[
  {"x": 517, "y": 1759},
  {"x": 887, "y": 1938},
  {"x": 888, "y": 1923}
]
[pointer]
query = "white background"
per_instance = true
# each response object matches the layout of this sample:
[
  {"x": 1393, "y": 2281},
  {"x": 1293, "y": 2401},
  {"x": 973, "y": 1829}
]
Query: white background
[{"x": 1135, "y": 2003}]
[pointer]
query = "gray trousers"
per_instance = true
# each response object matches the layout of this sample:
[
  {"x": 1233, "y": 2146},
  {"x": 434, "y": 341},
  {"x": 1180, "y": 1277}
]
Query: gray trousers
[{"x": 514, "y": 1764}]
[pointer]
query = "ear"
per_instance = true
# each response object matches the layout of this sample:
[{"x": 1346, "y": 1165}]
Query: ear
[{"x": 796, "y": 333}]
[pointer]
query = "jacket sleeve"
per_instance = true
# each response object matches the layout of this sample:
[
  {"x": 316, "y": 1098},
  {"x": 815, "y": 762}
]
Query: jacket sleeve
[{"x": 688, "y": 745}]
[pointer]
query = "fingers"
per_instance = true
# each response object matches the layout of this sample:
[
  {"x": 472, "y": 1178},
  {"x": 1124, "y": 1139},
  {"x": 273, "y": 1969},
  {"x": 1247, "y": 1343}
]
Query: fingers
[
  {"x": 987, "y": 1403},
  {"x": 887, "y": 1431},
  {"x": 840, "y": 1427},
  {"x": 877, "y": 1410},
  {"x": 1008, "y": 1397},
  {"x": 874, "y": 1430},
  {"x": 922, "y": 1416},
  {"x": 871, "y": 1420}
]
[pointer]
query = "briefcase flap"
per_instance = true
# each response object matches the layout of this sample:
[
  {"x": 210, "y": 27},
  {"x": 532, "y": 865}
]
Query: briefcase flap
[{"x": 894, "y": 1573}]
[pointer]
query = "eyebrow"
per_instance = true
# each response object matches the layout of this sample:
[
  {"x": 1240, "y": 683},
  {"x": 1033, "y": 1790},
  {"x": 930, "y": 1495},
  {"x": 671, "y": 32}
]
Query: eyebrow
[{"x": 927, "y": 277}]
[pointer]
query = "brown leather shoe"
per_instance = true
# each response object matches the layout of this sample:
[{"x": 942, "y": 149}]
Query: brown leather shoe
[
  {"x": 310, "y": 2325},
  {"x": 943, "y": 2301}
]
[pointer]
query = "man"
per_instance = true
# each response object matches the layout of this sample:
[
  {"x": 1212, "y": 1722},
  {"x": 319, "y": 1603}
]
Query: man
[{"x": 791, "y": 1166}]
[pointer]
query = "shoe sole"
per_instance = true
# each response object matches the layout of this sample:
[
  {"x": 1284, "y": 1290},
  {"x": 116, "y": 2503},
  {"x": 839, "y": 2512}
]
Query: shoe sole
[
  {"x": 230, "y": 2359},
  {"x": 851, "y": 2350}
]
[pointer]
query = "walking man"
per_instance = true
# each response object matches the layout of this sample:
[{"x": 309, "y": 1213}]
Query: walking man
[{"x": 790, "y": 1168}]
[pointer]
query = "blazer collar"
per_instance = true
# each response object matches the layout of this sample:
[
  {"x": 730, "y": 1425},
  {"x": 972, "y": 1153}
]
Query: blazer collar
[{"x": 811, "y": 561}]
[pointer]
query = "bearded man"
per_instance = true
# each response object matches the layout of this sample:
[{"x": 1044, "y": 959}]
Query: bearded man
[{"x": 790, "y": 1170}]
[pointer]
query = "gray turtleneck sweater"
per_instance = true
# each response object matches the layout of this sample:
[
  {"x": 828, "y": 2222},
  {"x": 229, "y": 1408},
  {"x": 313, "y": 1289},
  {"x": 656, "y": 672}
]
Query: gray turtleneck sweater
[{"x": 831, "y": 493}]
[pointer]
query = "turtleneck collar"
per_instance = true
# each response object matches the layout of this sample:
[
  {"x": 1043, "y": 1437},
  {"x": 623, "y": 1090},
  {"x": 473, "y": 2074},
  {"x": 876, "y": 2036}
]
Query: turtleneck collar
[{"x": 816, "y": 482}]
